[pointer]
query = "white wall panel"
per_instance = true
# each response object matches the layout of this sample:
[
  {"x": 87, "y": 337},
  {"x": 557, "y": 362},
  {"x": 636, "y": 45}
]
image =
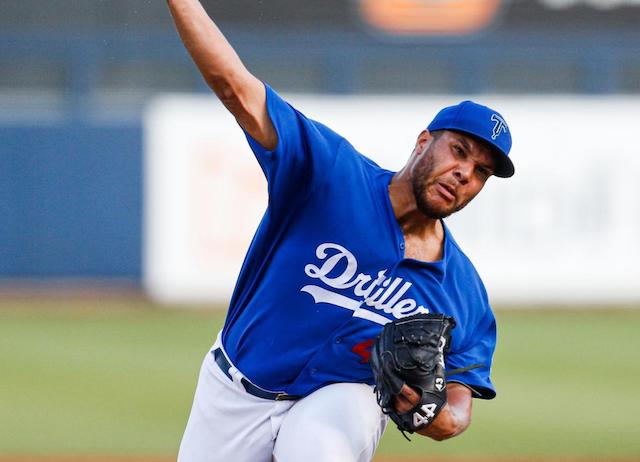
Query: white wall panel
[{"x": 565, "y": 228}]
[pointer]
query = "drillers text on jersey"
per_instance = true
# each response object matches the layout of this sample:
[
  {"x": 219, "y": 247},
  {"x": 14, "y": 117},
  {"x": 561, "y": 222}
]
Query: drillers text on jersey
[{"x": 381, "y": 293}]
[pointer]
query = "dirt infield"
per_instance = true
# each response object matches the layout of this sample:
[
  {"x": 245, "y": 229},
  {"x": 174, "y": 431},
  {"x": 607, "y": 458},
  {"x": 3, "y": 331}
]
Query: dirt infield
[{"x": 377, "y": 459}]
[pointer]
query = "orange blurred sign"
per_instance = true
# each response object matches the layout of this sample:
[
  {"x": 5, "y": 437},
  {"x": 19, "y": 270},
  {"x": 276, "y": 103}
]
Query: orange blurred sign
[{"x": 430, "y": 17}]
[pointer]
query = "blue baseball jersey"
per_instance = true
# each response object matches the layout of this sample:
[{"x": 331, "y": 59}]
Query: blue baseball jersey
[{"x": 326, "y": 270}]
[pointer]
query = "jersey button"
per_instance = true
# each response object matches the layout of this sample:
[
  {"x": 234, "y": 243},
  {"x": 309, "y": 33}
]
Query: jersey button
[
  {"x": 313, "y": 371},
  {"x": 402, "y": 245},
  {"x": 338, "y": 340}
]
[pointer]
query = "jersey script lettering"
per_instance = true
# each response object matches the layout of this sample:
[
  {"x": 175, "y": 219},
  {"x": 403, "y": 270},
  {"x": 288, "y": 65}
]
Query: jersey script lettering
[{"x": 380, "y": 293}]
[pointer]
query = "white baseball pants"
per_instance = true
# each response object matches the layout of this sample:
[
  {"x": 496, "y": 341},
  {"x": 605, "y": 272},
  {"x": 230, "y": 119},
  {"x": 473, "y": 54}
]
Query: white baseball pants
[{"x": 337, "y": 423}]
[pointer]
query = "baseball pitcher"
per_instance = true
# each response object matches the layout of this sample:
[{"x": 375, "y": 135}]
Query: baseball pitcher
[{"x": 354, "y": 304}]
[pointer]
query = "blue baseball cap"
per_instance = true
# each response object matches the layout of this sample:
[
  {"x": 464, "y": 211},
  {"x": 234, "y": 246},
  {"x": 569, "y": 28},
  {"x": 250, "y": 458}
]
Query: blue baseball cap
[{"x": 482, "y": 122}]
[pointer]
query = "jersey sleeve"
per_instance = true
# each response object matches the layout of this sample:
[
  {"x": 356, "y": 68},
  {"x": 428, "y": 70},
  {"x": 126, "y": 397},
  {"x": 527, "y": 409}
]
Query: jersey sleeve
[
  {"x": 305, "y": 152},
  {"x": 479, "y": 353}
]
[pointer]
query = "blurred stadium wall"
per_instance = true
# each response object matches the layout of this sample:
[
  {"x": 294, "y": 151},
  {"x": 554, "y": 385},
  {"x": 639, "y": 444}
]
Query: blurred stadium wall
[{"x": 75, "y": 78}]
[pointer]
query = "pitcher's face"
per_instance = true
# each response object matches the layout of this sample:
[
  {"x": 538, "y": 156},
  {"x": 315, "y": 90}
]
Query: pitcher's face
[{"x": 450, "y": 171}]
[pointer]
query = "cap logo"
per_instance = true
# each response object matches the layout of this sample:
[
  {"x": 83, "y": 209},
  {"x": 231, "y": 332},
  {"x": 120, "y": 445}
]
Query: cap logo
[{"x": 499, "y": 127}]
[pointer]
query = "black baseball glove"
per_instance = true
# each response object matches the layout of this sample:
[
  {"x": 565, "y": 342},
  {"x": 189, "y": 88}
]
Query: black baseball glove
[{"x": 412, "y": 351}]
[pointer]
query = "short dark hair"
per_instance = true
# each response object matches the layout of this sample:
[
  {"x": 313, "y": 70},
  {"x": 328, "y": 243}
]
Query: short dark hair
[{"x": 437, "y": 134}]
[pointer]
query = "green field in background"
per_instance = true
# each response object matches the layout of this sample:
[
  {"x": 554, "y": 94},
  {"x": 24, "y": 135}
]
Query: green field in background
[{"x": 117, "y": 378}]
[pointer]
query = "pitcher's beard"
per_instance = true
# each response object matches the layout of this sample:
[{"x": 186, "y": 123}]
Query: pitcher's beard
[
  {"x": 425, "y": 206},
  {"x": 419, "y": 183}
]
